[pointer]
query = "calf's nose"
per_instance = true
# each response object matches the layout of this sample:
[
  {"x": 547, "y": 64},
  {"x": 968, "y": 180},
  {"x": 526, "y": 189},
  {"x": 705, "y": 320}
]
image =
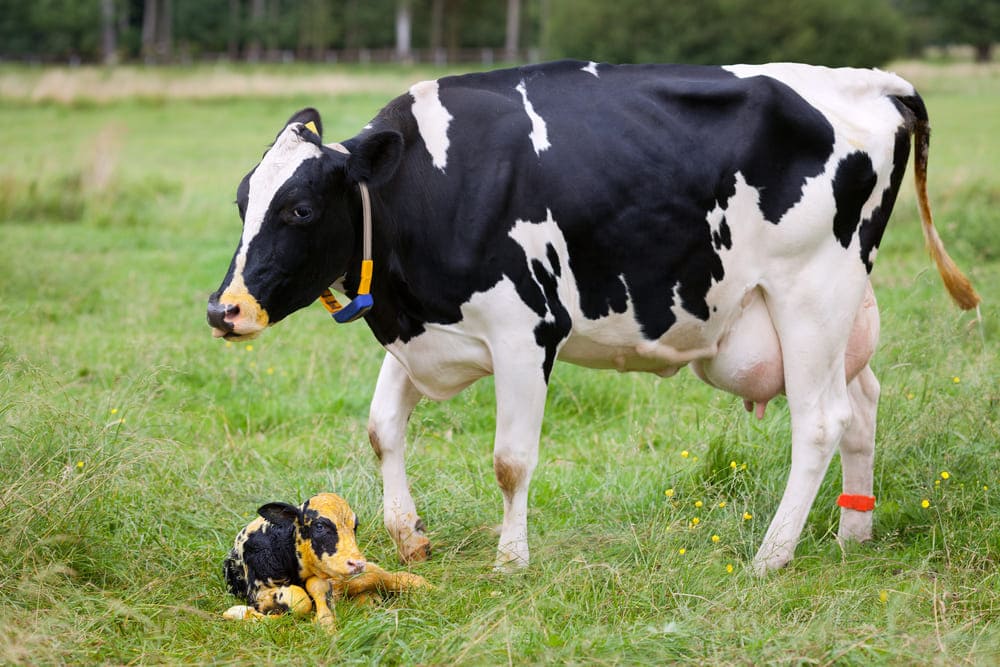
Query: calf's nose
[
  {"x": 221, "y": 315},
  {"x": 356, "y": 566}
]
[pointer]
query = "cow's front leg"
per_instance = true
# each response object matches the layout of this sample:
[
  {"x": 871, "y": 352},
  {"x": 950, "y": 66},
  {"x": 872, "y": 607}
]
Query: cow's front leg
[
  {"x": 520, "y": 394},
  {"x": 857, "y": 459},
  {"x": 393, "y": 402}
]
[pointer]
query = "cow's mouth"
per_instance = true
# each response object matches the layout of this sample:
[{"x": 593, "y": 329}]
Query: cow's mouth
[{"x": 232, "y": 336}]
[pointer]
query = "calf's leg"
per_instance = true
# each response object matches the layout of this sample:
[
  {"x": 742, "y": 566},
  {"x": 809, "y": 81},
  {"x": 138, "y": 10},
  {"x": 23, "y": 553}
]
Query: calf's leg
[
  {"x": 376, "y": 580},
  {"x": 393, "y": 402},
  {"x": 318, "y": 589}
]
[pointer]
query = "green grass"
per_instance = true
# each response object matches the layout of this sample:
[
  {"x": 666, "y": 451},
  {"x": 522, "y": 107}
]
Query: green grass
[{"x": 133, "y": 446}]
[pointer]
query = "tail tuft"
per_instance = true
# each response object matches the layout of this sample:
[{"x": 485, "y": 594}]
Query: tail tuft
[{"x": 955, "y": 281}]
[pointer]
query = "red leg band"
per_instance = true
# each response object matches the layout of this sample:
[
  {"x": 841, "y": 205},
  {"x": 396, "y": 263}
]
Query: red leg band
[{"x": 856, "y": 503}]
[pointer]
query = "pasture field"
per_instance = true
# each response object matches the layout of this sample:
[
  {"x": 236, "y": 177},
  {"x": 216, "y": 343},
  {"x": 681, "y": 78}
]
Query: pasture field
[{"x": 133, "y": 446}]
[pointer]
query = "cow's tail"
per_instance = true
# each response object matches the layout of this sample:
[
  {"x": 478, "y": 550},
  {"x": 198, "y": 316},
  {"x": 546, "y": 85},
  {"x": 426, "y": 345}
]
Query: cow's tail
[{"x": 958, "y": 285}]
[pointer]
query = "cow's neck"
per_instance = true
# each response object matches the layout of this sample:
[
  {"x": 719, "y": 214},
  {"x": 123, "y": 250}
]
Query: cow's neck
[{"x": 396, "y": 313}]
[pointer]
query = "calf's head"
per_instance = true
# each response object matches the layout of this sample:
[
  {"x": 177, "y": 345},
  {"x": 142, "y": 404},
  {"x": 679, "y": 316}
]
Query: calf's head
[
  {"x": 301, "y": 215},
  {"x": 325, "y": 528}
]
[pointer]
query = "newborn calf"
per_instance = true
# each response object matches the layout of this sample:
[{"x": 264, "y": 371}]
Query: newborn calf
[{"x": 291, "y": 558}]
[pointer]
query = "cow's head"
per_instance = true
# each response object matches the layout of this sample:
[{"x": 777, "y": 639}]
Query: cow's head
[
  {"x": 301, "y": 216},
  {"x": 325, "y": 528}
]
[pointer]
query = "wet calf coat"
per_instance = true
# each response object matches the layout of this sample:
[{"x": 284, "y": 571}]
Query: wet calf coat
[
  {"x": 638, "y": 218},
  {"x": 293, "y": 559}
]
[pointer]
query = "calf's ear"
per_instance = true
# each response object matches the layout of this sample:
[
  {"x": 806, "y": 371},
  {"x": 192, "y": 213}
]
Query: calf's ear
[
  {"x": 280, "y": 513},
  {"x": 375, "y": 158}
]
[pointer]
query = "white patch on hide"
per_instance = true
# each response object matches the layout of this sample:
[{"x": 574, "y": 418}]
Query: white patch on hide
[
  {"x": 432, "y": 121},
  {"x": 276, "y": 167},
  {"x": 539, "y": 132},
  {"x": 591, "y": 68}
]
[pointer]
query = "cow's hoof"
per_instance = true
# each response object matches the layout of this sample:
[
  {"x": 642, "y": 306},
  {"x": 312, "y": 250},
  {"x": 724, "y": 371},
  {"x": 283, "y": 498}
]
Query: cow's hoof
[
  {"x": 770, "y": 558},
  {"x": 508, "y": 562},
  {"x": 416, "y": 550},
  {"x": 855, "y": 526}
]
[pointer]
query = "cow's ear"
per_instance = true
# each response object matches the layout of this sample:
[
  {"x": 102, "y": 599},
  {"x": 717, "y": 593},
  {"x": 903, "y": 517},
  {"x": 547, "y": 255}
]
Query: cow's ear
[
  {"x": 306, "y": 116},
  {"x": 280, "y": 513},
  {"x": 375, "y": 158}
]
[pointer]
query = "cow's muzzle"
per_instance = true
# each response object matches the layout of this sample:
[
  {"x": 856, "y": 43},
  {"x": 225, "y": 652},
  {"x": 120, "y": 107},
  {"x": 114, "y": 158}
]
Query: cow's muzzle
[
  {"x": 236, "y": 316},
  {"x": 220, "y": 316}
]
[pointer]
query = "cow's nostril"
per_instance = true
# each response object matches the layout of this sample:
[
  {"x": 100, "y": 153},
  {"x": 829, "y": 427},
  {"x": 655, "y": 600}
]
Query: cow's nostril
[
  {"x": 217, "y": 317},
  {"x": 356, "y": 566},
  {"x": 232, "y": 311}
]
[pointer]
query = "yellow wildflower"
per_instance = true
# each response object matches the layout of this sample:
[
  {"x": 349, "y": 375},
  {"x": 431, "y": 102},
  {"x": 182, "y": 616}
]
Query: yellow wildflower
[
  {"x": 698, "y": 503},
  {"x": 722, "y": 504},
  {"x": 729, "y": 568},
  {"x": 716, "y": 538},
  {"x": 695, "y": 521},
  {"x": 682, "y": 551},
  {"x": 747, "y": 516},
  {"x": 955, "y": 379},
  {"x": 945, "y": 475},
  {"x": 248, "y": 348},
  {"x": 669, "y": 493},
  {"x": 925, "y": 503},
  {"x": 883, "y": 596},
  {"x": 685, "y": 453}
]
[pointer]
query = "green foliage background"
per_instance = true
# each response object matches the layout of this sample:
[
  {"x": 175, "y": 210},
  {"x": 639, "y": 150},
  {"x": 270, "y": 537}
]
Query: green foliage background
[
  {"x": 849, "y": 32},
  {"x": 845, "y": 32}
]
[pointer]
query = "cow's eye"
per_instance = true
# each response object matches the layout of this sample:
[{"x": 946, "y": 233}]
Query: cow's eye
[
  {"x": 356, "y": 523},
  {"x": 302, "y": 214}
]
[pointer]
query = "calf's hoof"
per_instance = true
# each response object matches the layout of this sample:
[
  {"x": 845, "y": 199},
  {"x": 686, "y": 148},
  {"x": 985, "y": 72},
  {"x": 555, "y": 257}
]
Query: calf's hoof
[
  {"x": 407, "y": 581},
  {"x": 241, "y": 612},
  {"x": 326, "y": 621}
]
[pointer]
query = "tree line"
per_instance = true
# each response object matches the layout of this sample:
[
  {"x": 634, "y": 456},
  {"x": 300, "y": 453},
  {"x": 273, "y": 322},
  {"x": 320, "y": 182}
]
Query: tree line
[{"x": 832, "y": 32}]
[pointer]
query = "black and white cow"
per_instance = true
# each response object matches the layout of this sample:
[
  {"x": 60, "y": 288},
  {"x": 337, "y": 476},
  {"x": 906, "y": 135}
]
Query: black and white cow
[{"x": 640, "y": 218}]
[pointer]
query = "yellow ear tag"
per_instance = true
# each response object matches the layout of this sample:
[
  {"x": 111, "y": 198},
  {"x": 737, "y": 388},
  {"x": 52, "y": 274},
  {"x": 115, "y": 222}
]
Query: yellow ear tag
[{"x": 311, "y": 126}]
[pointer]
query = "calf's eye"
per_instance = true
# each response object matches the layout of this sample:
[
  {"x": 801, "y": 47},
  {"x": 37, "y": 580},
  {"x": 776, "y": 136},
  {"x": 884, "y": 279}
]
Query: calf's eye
[{"x": 302, "y": 213}]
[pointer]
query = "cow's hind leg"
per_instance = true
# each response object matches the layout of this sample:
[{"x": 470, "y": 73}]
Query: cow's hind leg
[
  {"x": 393, "y": 402},
  {"x": 857, "y": 455},
  {"x": 813, "y": 332}
]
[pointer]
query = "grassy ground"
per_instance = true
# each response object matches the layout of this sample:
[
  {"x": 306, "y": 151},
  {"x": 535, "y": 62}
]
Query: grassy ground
[{"x": 133, "y": 446}]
